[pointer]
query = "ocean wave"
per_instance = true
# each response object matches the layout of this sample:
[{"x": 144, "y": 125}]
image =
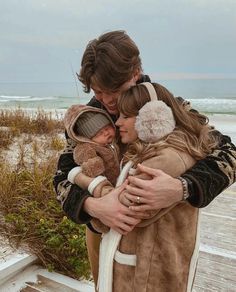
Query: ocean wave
[
  {"x": 14, "y": 96},
  {"x": 206, "y": 105},
  {"x": 9, "y": 98},
  {"x": 217, "y": 105}
]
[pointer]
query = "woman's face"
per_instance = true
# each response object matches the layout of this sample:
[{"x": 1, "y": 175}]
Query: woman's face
[{"x": 127, "y": 131}]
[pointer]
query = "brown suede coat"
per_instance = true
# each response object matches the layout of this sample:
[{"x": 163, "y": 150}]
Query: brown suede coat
[{"x": 166, "y": 245}]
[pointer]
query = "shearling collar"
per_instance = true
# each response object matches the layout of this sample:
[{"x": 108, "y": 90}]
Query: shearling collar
[{"x": 71, "y": 116}]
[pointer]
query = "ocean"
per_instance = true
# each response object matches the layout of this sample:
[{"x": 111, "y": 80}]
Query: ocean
[{"x": 207, "y": 96}]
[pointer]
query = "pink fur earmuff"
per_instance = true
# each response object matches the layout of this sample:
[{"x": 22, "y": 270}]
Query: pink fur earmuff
[{"x": 155, "y": 119}]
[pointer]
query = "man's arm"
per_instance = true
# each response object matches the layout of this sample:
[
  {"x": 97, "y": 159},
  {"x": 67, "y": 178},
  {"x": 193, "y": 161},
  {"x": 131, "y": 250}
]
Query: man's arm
[
  {"x": 111, "y": 212},
  {"x": 206, "y": 180},
  {"x": 80, "y": 206},
  {"x": 210, "y": 176},
  {"x": 70, "y": 196}
]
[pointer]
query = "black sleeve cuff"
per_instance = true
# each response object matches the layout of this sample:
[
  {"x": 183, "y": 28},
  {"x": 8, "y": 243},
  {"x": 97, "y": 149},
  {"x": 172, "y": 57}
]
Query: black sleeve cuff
[
  {"x": 73, "y": 205},
  {"x": 195, "y": 198}
]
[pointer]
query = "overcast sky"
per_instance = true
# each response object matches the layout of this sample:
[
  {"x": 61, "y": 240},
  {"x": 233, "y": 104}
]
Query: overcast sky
[{"x": 39, "y": 39}]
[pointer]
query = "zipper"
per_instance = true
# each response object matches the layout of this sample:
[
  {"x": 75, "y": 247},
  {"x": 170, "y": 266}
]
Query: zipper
[{"x": 113, "y": 148}]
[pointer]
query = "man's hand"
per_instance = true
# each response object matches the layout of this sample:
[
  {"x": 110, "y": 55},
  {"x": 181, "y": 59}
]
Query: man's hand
[
  {"x": 160, "y": 192},
  {"x": 111, "y": 212}
]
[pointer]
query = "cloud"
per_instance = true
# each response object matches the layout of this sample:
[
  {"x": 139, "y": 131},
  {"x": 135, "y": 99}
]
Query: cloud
[{"x": 173, "y": 35}]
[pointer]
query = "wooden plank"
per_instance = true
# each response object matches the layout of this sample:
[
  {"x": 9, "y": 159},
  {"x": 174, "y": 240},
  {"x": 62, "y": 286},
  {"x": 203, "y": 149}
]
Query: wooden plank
[
  {"x": 222, "y": 205},
  {"x": 218, "y": 231},
  {"x": 216, "y": 269},
  {"x": 215, "y": 273},
  {"x": 48, "y": 285},
  {"x": 29, "y": 288}
]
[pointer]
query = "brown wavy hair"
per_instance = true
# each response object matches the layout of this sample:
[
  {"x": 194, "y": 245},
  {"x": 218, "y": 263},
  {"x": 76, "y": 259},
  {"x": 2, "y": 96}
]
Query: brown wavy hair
[
  {"x": 109, "y": 61},
  {"x": 192, "y": 133}
]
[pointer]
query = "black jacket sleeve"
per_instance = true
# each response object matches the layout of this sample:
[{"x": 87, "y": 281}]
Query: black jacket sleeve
[
  {"x": 210, "y": 176},
  {"x": 70, "y": 195}
]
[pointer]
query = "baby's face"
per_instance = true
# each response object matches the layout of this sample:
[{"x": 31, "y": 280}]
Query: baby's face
[{"x": 105, "y": 135}]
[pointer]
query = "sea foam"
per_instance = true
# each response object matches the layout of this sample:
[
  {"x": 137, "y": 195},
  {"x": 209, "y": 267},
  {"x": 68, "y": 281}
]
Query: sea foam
[{"x": 205, "y": 105}]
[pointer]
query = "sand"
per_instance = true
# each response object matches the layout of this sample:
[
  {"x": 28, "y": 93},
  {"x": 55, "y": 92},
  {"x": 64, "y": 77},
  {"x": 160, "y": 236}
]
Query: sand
[{"x": 226, "y": 124}]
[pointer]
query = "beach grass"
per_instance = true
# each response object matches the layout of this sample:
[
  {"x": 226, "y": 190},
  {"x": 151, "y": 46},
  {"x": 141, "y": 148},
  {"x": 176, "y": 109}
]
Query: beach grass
[
  {"x": 31, "y": 218},
  {"x": 36, "y": 122}
]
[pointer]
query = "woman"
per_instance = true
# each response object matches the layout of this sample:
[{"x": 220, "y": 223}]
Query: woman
[{"x": 161, "y": 253}]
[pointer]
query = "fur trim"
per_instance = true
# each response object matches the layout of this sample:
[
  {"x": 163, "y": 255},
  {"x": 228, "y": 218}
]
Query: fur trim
[
  {"x": 109, "y": 245},
  {"x": 154, "y": 121},
  {"x": 73, "y": 114}
]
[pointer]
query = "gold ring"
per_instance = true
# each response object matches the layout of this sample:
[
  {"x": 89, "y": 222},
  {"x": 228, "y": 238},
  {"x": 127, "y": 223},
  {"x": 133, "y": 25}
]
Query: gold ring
[{"x": 138, "y": 200}]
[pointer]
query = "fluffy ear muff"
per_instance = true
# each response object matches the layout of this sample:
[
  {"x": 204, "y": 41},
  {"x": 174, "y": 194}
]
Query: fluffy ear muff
[{"x": 154, "y": 121}]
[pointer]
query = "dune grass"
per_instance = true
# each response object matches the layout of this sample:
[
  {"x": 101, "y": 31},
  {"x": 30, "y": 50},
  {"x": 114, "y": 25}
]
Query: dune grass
[
  {"x": 30, "y": 215},
  {"x": 38, "y": 122}
]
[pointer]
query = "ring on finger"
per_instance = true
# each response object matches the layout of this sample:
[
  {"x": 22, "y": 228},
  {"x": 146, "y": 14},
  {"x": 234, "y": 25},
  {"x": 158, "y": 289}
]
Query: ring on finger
[{"x": 138, "y": 200}]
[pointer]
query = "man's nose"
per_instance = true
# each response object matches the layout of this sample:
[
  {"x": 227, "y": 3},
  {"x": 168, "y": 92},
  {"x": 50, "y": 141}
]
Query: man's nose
[
  {"x": 102, "y": 96},
  {"x": 99, "y": 96}
]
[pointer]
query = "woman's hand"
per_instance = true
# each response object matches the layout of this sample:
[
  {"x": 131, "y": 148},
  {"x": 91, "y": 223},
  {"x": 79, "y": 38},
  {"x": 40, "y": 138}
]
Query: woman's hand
[
  {"x": 160, "y": 192},
  {"x": 124, "y": 199}
]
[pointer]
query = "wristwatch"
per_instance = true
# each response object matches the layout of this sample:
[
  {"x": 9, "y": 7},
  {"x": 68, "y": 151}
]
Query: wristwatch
[{"x": 185, "y": 188}]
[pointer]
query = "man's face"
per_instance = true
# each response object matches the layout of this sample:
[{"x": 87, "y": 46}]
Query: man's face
[{"x": 109, "y": 98}]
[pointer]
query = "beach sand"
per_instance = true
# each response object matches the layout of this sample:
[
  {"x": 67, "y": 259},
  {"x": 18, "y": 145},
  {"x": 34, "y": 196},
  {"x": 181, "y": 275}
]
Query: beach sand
[{"x": 226, "y": 124}]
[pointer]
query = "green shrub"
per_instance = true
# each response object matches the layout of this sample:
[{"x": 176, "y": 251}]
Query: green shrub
[
  {"x": 31, "y": 217},
  {"x": 34, "y": 218}
]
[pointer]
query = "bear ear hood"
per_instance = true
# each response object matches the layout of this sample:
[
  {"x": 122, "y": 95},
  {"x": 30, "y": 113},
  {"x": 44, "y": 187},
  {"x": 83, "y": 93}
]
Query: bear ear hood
[{"x": 73, "y": 113}]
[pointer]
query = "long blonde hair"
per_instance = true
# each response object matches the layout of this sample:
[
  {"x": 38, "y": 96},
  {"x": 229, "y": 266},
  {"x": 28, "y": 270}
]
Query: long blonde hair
[{"x": 192, "y": 133}]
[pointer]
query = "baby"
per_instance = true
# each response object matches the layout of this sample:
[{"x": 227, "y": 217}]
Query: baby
[{"x": 95, "y": 153}]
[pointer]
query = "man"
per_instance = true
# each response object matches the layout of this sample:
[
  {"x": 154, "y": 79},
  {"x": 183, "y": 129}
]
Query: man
[{"x": 110, "y": 65}]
